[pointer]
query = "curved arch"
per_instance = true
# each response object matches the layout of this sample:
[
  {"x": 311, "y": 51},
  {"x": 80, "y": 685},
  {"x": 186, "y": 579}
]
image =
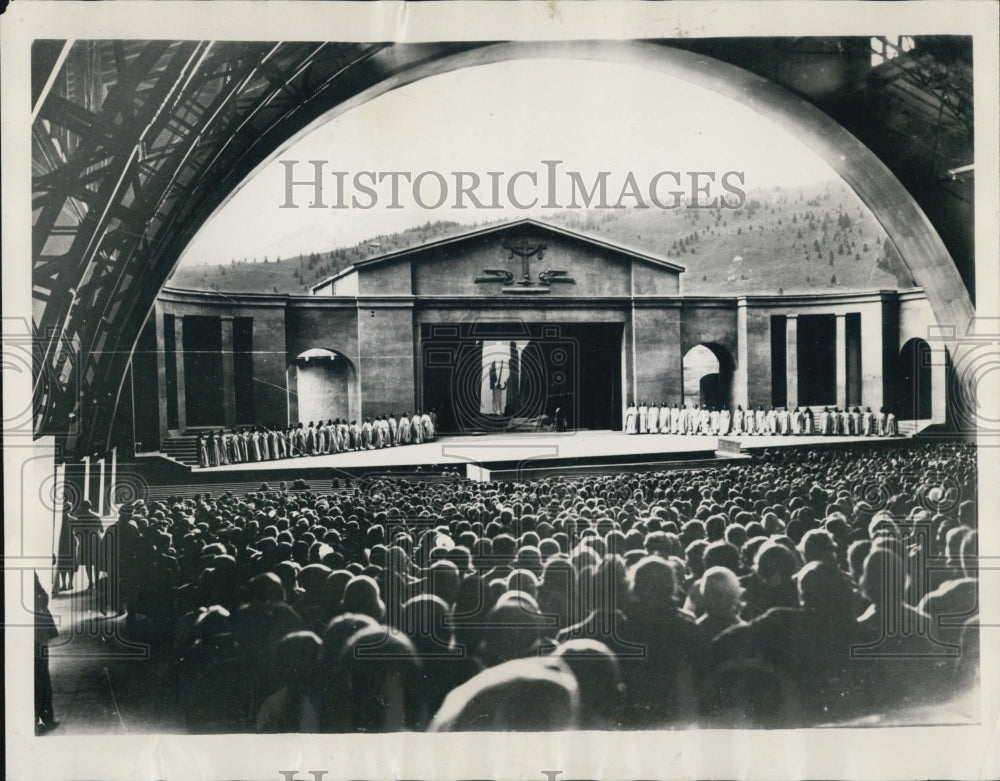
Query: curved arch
[
  {"x": 707, "y": 375},
  {"x": 323, "y": 383},
  {"x": 108, "y": 315}
]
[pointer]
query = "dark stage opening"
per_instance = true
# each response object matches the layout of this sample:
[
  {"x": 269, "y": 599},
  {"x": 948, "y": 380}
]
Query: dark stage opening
[
  {"x": 522, "y": 376},
  {"x": 913, "y": 381},
  {"x": 817, "y": 359}
]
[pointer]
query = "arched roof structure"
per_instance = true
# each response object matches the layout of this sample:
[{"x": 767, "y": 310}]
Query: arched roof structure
[{"x": 136, "y": 144}]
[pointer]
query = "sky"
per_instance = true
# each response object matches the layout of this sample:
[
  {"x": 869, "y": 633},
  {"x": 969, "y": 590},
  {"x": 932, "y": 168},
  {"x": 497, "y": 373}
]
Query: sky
[{"x": 502, "y": 117}]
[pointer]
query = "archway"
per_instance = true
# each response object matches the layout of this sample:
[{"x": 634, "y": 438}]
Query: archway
[
  {"x": 84, "y": 400},
  {"x": 914, "y": 400},
  {"x": 323, "y": 384},
  {"x": 707, "y": 371}
]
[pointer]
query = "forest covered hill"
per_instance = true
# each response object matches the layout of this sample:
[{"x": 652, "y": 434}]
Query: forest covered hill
[{"x": 782, "y": 240}]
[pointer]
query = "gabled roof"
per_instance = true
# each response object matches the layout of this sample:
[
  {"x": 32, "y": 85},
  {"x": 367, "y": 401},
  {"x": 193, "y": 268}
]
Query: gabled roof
[{"x": 546, "y": 227}]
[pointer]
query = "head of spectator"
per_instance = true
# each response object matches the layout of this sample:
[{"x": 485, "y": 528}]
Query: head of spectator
[
  {"x": 598, "y": 676},
  {"x": 522, "y": 695}
]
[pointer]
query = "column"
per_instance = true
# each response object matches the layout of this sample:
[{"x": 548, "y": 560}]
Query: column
[
  {"x": 179, "y": 357},
  {"x": 228, "y": 373},
  {"x": 841, "y": 361},
  {"x": 161, "y": 370},
  {"x": 741, "y": 377},
  {"x": 792, "y": 361}
]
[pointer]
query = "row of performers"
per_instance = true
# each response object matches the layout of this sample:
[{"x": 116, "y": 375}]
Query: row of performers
[
  {"x": 652, "y": 419},
  {"x": 315, "y": 439}
]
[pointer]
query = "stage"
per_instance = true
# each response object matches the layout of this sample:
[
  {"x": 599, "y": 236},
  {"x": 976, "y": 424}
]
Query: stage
[{"x": 505, "y": 456}]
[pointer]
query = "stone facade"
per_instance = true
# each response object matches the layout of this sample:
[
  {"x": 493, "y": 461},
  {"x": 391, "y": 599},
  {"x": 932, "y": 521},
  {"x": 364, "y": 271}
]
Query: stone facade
[{"x": 374, "y": 320}]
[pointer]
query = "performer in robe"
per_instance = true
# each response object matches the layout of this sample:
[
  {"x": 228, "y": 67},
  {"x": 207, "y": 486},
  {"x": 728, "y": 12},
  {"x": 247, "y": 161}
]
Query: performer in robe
[
  {"x": 378, "y": 435},
  {"x": 824, "y": 421},
  {"x": 425, "y": 419},
  {"x": 416, "y": 428},
  {"x": 643, "y": 412},
  {"x": 393, "y": 429},
  {"x": 403, "y": 430},
  {"x": 675, "y": 419},
  {"x": 631, "y": 418},
  {"x": 664, "y": 418},
  {"x": 891, "y": 427},
  {"x": 202, "y": 452},
  {"x": 705, "y": 422},
  {"x": 772, "y": 421},
  {"x": 866, "y": 422},
  {"x": 652, "y": 417},
  {"x": 845, "y": 422},
  {"x": 856, "y": 421},
  {"x": 216, "y": 452},
  {"x": 784, "y": 421},
  {"x": 714, "y": 421},
  {"x": 366, "y": 435},
  {"x": 738, "y": 420},
  {"x": 265, "y": 451},
  {"x": 725, "y": 421}
]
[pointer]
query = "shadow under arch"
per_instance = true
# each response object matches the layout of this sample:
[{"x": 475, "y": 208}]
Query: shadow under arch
[
  {"x": 919, "y": 245},
  {"x": 323, "y": 383},
  {"x": 715, "y": 385}
]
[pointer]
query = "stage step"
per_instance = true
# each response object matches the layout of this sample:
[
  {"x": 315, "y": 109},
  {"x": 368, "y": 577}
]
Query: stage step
[{"x": 183, "y": 448}]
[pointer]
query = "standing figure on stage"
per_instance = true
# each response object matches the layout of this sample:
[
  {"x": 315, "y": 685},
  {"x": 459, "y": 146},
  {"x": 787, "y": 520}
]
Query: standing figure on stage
[
  {"x": 856, "y": 421},
  {"x": 714, "y": 422},
  {"x": 643, "y": 412},
  {"x": 393, "y": 429},
  {"x": 403, "y": 430},
  {"x": 428, "y": 427},
  {"x": 675, "y": 419},
  {"x": 202, "y": 452},
  {"x": 866, "y": 422},
  {"x": 845, "y": 422},
  {"x": 497, "y": 387},
  {"x": 664, "y": 418},
  {"x": 631, "y": 418},
  {"x": 216, "y": 452},
  {"x": 772, "y": 421},
  {"x": 796, "y": 421},
  {"x": 366, "y": 435},
  {"x": 725, "y": 420},
  {"x": 784, "y": 421},
  {"x": 824, "y": 421},
  {"x": 416, "y": 429},
  {"x": 738, "y": 420}
]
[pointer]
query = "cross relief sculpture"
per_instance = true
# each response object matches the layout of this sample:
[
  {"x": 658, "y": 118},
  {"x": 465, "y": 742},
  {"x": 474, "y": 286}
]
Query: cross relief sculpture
[{"x": 525, "y": 250}]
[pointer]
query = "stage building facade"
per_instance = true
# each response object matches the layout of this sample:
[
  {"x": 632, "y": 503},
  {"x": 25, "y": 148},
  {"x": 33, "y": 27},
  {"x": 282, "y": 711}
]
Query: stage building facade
[{"x": 584, "y": 326}]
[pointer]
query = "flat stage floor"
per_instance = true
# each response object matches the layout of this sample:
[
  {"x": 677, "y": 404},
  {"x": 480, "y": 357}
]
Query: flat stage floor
[{"x": 494, "y": 456}]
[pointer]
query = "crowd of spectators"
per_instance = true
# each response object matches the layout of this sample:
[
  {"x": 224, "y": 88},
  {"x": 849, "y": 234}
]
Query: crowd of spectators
[{"x": 804, "y": 587}]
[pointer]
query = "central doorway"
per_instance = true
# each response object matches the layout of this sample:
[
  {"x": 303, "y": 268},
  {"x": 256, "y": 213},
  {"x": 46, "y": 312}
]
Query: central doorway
[{"x": 517, "y": 376}]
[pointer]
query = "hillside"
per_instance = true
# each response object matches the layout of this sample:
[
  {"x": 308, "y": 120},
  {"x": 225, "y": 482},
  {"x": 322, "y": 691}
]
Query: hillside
[{"x": 781, "y": 240}]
